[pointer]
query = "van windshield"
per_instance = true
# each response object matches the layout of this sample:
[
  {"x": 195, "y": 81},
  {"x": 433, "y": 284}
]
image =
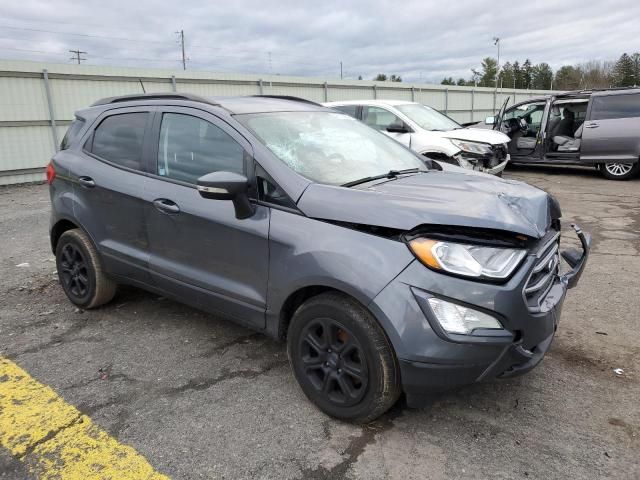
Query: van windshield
[
  {"x": 428, "y": 118},
  {"x": 330, "y": 148}
]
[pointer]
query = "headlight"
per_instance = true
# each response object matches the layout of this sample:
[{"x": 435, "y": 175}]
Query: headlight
[
  {"x": 455, "y": 318},
  {"x": 468, "y": 260},
  {"x": 472, "y": 147}
]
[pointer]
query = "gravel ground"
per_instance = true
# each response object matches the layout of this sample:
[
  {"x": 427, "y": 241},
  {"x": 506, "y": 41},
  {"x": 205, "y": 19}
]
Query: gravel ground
[{"x": 200, "y": 397}]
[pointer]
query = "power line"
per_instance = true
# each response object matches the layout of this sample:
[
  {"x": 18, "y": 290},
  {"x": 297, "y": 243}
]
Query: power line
[{"x": 81, "y": 34}]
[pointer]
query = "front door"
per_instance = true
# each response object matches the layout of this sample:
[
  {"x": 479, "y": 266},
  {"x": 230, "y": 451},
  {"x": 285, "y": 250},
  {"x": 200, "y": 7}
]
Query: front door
[
  {"x": 382, "y": 119},
  {"x": 199, "y": 250},
  {"x": 523, "y": 124}
]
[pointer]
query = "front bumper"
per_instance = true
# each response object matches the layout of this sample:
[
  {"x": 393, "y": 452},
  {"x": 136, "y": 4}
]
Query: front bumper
[
  {"x": 432, "y": 361},
  {"x": 493, "y": 163}
]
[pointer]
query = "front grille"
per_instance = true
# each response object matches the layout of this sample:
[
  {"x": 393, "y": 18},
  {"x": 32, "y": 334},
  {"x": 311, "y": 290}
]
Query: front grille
[{"x": 543, "y": 274}]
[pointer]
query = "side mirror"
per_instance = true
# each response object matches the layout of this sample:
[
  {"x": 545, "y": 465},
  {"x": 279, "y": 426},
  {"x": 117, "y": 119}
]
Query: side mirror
[
  {"x": 490, "y": 120},
  {"x": 227, "y": 186},
  {"x": 398, "y": 128}
]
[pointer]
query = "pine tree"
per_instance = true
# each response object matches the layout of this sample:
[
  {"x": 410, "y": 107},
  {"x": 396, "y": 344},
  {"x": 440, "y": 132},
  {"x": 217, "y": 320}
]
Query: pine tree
[
  {"x": 517, "y": 75},
  {"x": 527, "y": 74},
  {"x": 489, "y": 72},
  {"x": 623, "y": 71}
]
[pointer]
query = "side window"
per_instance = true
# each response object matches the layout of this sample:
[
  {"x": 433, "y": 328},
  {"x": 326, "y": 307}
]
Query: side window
[
  {"x": 351, "y": 110},
  {"x": 379, "y": 118},
  {"x": 615, "y": 106},
  {"x": 191, "y": 147},
  {"x": 72, "y": 132},
  {"x": 118, "y": 139}
]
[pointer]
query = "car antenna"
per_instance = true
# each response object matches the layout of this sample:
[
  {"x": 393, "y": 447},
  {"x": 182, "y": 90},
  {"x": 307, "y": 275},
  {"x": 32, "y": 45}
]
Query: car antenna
[{"x": 142, "y": 85}]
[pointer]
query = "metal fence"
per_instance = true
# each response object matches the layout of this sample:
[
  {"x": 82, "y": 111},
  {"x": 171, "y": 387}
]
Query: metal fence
[{"x": 37, "y": 100}]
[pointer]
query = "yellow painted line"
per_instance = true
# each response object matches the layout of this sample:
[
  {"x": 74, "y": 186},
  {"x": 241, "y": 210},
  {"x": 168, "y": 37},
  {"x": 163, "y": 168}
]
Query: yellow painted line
[{"x": 55, "y": 440}]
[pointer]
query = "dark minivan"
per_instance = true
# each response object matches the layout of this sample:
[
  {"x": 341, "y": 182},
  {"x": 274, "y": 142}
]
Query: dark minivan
[
  {"x": 384, "y": 271},
  {"x": 599, "y": 128}
]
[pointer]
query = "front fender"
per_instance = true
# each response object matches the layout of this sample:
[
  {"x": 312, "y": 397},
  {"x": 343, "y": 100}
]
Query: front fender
[{"x": 306, "y": 252}]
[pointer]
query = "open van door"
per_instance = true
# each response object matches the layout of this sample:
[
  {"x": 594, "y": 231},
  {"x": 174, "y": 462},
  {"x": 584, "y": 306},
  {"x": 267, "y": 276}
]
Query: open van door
[{"x": 498, "y": 120}]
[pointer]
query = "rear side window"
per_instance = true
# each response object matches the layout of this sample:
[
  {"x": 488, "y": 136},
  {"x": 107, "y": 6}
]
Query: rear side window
[
  {"x": 616, "y": 106},
  {"x": 72, "y": 133},
  {"x": 119, "y": 138},
  {"x": 351, "y": 110},
  {"x": 191, "y": 147}
]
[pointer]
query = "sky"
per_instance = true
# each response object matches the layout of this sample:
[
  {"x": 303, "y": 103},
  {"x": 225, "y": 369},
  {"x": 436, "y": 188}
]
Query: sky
[{"x": 422, "y": 41}]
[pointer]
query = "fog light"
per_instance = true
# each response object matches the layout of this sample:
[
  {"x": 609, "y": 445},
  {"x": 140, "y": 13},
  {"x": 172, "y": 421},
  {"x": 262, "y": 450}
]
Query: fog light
[{"x": 458, "y": 319}]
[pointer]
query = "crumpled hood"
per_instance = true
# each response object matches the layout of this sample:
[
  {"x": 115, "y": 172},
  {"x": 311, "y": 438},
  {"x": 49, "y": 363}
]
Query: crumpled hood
[
  {"x": 435, "y": 198},
  {"x": 477, "y": 135}
]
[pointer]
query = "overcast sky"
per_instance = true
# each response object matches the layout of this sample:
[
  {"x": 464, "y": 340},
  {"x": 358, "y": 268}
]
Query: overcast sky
[{"x": 419, "y": 40}]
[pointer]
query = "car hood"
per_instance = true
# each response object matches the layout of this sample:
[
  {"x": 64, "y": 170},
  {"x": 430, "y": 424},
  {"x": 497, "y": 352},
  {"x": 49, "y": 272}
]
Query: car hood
[
  {"x": 436, "y": 198},
  {"x": 477, "y": 135}
]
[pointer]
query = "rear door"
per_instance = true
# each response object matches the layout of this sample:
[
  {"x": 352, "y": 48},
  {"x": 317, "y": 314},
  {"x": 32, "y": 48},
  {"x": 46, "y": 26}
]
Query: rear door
[
  {"x": 611, "y": 132},
  {"x": 109, "y": 183},
  {"x": 199, "y": 250}
]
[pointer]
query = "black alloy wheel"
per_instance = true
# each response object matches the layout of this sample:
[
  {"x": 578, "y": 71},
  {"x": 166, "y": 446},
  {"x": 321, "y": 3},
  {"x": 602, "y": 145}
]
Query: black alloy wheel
[
  {"x": 73, "y": 271},
  {"x": 333, "y": 361},
  {"x": 342, "y": 358}
]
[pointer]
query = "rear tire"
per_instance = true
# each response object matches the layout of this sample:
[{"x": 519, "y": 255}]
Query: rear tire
[
  {"x": 619, "y": 171},
  {"x": 80, "y": 271},
  {"x": 342, "y": 359}
]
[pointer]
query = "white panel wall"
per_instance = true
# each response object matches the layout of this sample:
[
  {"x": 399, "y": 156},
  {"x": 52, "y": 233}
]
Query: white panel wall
[{"x": 26, "y": 139}]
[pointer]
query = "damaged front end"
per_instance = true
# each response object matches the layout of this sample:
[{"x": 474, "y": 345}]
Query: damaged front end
[{"x": 492, "y": 161}]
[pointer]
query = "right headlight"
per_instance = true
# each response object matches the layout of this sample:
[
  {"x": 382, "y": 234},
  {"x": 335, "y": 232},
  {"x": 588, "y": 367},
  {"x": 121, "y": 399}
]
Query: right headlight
[{"x": 468, "y": 260}]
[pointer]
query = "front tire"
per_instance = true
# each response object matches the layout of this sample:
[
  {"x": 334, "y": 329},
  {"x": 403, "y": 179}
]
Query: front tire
[
  {"x": 619, "y": 171},
  {"x": 80, "y": 271},
  {"x": 342, "y": 359}
]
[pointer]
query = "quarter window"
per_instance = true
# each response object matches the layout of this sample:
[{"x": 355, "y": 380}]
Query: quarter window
[
  {"x": 72, "y": 132},
  {"x": 191, "y": 147},
  {"x": 615, "y": 106},
  {"x": 119, "y": 138}
]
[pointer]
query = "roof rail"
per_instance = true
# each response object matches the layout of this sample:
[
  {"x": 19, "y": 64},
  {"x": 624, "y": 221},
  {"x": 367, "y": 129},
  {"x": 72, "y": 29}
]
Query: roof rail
[
  {"x": 290, "y": 97},
  {"x": 153, "y": 96}
]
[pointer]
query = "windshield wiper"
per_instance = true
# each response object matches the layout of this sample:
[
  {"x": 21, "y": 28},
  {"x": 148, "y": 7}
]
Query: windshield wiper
[{"x": 390, "y": 174}]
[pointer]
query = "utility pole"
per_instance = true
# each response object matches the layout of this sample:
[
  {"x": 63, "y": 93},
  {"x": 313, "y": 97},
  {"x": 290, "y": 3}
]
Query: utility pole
[
  {"x": 77, "y": 56},
  {"x": 340, "y": 70},
  {"x": 270, "y": 68},
  {"x": 181, "y": 40},
  {"x": 496, "y": 41}
]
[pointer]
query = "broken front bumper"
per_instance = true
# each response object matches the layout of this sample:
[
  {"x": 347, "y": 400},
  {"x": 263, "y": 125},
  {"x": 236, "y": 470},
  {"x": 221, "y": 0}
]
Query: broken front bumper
[
  {"x": 431, "y": 360},
  {"x": 484, "y": 164}
]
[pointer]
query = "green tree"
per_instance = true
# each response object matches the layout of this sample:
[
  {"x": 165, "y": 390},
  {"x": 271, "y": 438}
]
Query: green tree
[
  {"x": 489, "y": 72},
  {"x": 395, "y": 78},
  {"x": 541, "y": 77},
  {"x": 517, "y": 75},
  {"x": 381, "y": 77},
  {"x": 636, "y": 68},
  {"x": 462, "y": 82},
  {"x": 623, "y": 71},
  {"x": 568, "y": 77},
  {"x": 447, "y": 81},
  {"x": 506, "y": 75},
  {"x": 527, "y": 74}
]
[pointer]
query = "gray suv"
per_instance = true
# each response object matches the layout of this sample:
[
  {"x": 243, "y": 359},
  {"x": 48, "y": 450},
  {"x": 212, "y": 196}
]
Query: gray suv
[
  {"x": 599, "y": 128},
  {"x": 384, "y": 271}
]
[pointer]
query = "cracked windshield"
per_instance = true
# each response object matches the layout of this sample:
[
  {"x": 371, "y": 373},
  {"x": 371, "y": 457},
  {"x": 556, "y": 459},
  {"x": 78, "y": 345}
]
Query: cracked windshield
[{"x": 329, "y": 147}]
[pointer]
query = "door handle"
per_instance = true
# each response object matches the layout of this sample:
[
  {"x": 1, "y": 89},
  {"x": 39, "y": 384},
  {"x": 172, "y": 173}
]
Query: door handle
[
  {"x": 591, "y": 125},
  {"x": 166, "y": 206},
  {"x": 86, "y": 182}
]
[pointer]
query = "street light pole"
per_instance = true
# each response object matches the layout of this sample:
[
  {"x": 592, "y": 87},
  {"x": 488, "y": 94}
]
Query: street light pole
[{"x": 496, "y": 41}]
